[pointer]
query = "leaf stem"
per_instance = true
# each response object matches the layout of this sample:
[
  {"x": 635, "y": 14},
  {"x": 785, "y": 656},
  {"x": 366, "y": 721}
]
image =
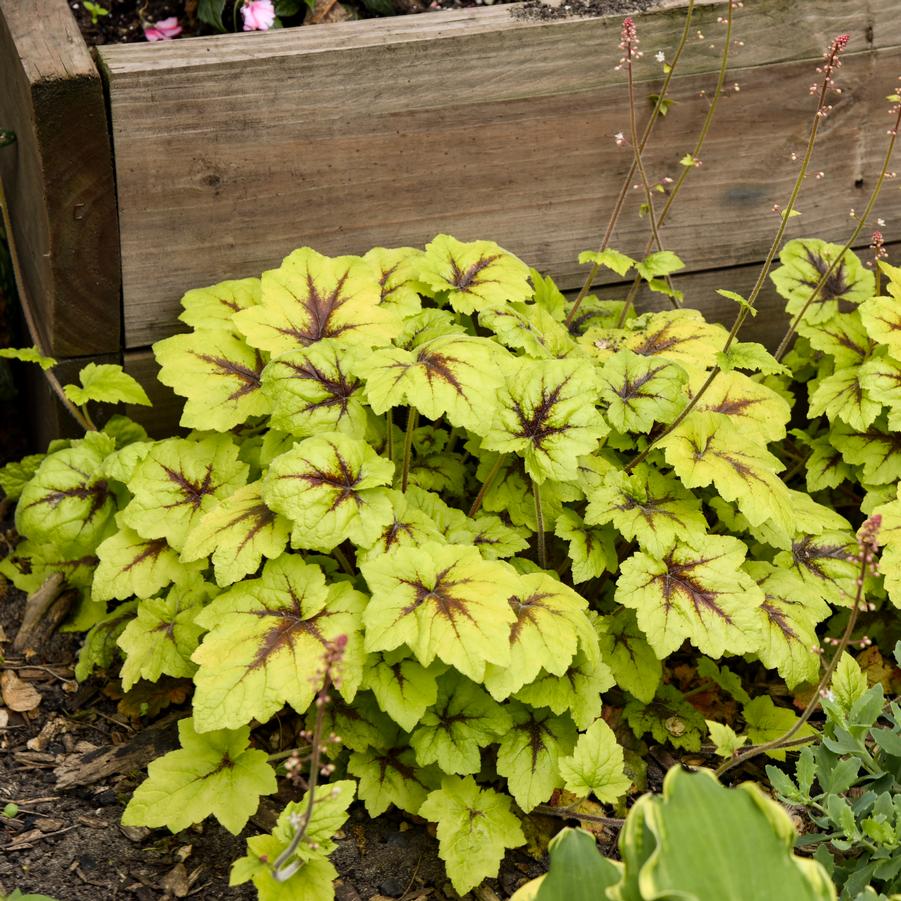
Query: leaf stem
[
  {"x": 343, "y": 562},
  {"x": 486, "y": 485},
  {"x": 412, "y": 419},
  {"x": 567, "y": 813},
  {"x": 389, "y": 435},
  {"x": 539, "y": 522}
]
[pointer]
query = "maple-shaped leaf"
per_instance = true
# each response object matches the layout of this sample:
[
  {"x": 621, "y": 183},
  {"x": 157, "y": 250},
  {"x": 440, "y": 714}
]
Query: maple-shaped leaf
[
  {"x": 163, "y": 635},
  {"x": 178, "y": 482},
  {"x": 427, "y": 325},
  {"x": 475, "y": 827},
  {"x": 626, "y": 651},
  {"x": 826, "y": 563},
  {"x": 106, "y": 383},
  {"x": 889, "y": 536},
  {"x": 765, "y": 722},
  {"x": 789, "y": 615},
  {"x": 313, "y": 879},
  {"x": 442, "y": 601},
  {"x": 550, "y": 625},
  {"x": 361, "y": 725},
  {"x": 592, "y": 551},
  {"x": 804, "y": 262},
  {"x": 530, "y": 751},
  {"x": 312, "y": 391},
  {"x": 238, "y": 533},
  {"x": 596, "y": 766},
  {"x": 442, "y": 473},
  {"x": 612, "y": 259},
  {"x": 330, "y": 487},
  {"x": 404, "y": 688},
  {"x": 548, "y": 296},
  {"x": 750, "y": 355},
  {"x": 880, "y": 378},
  {"x": 825, "y": 466},
  {"x": 456, "y": 376},
  {"x": 131, "y": 566},
  {"x": 489, "y": 534},
  {"x": 881, "y": 318},
  {"x": 409, "y": 526},
  {"x": 218, "y": 373},
  {"x": 726, "y": 741},
  {"x": 543, "y": 416},
  {"x": 397, "y": 272},
  {"x": 392, "y": 776},
  {"x": 27, "y": 355},
  {"x": 311, "y": 297},
  {"x": 67, "y": 502},
  {"x": 213, "y": 773},
  {"x": 100, "y": 646},
  {"x": 641, "y": 390},
  {"x": 528, "y": 327},
  {"x": 121, "y": 464},
  {"x": 474, "y": 275},
  {"x": 214, "y": 307},
  {"x": 463, "y": 720},
  {"x": 266, "y": 644},
  {"x": 843, "y": 338},
  {"x": 843, "y": 395},
  {"x": 706, "y": 448},
  {"x": 695, "y": 592},
  {"x": 669, "y": 718},
  {"x": 877, "y": 450},
  {"x": 16, "y": 474},
  {"x": 647, "y": 506},
  {"x": 810, "y": 518}
]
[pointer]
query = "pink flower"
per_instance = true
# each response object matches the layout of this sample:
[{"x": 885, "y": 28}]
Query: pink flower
[
  {"x": 258, "y": 15},
  {"x": 164, "y": 30}
]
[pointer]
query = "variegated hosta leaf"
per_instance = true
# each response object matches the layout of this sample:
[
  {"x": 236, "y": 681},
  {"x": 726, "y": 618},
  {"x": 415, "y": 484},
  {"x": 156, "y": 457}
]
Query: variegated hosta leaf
[
  {"x": 404, "y": 688},
  {"x": 474, "y": 275},
  {"x": 218, "y": 373},
  {"x": 706, "y": 448},
  {"x": 804, "y": 262},
  {"x": 694, "y": 592},
  {"x": 311, "y": 297},
  {"x": 214, "y": 307},
  {"x": 312, "y": 391},
  {"x": 463, "y": 720},
  {"x": 669, "y": 718},
  {"x": 238, "y": 534},
  {"x": 178, "y": 482},
  {"x": 530, "y": 752},
  {"x": 826, "y": 564},
  {"x": 789, "y": 615},
  {"x": 529, "y": 327},
  {"x": 626, "y": 651},
  {"x": 330, "y": 489},
  {"x": 596, "y": 766},
  {"x": 889, "y": 536},
  {"x": 546, "y": 414},
  {"x": 453, "y": 376},
  {"x": 639, "y": 391},
  {"x": 397, "y": 272},
  {"x": 392, "y": 776},
  {"x": 442, "y": 601},
  {"x": 592, "y": 551},
  {"x": 266, "y": 644},
  {"x": 161, "y": 638},
  {"x": 877, "y": 450},
  {"x": 647, "y": 506},
  {"x": 550, "y": 625}
]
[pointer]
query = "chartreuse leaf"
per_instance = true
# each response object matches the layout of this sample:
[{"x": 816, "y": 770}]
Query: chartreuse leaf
[
  {"x": 669, "y": 718},
  {"x": 441, "y": 601},
  {"x": 330, "y": 488},
  {"x": 100, "y": 646},
  {"x": 765, "y": 722},
  {"x": 889, "y": 535},
  {"x": 804, "y": 262},
  {"x": 647, "y": 506},
  {"x": 266, "y": 643},
  {"x": 696, "y": 592},
  {"x": 27, "y": 355},
  {"x": 530, "y": 752},
  {"x": 178, "y": 482},
  {"x": 550, "y": 624},
  {"x": 848, "y": 682},
  {"x": 214, "y": 307},
  {"x": 312, "y": 391},
  {"x": 612, "y": 259},
  {"x": 409, "y": 527},
  {"x": 826, "y": 564},
  {"x": 882, "y": 319},
  {"x": 218, "y": 373},
  {"x": 392, "y": 777},
  {"x": 474, "y": 275},
  {"x": 877, "y": 450},
  {"x": 632, "y": 660},
  {"x": 543, "y": 416},
  {"x": 106, "y": 383},
  {"x": 213, "y": 773},
  {"x": 361, "y": 725},
  {"x": 596, "y": 765},
  {"x": 880, "y": 378},
  {"x": 489, "y": 534},
  {"x": 15, "y": 475},
  {"x": 789, "y": 614},
  {"x": 475, "y": 827},
  {"x": 843, "y": 395},
  {"x": 592, "y": 551},
  {"x": 161, "y": 638},
  {"x": 752, "y": 356},
  {"x": 529, "y": 327},
  {"x": 397, "y": 272},
  {"x": 726, "y": 741},
  {"x": 455, "y": 376},
  {"x": 654, "y": 265},
  {"x": 548, "y": 295},
  {"x": 825, "y": 466},
  {"x": 404, "y": 688},
  {"x": 463, "y": 720},
  {"x": 640, "y": 391},
  {"x": 314, "y": 879},
  {"x": 311, "y": 297},
  {"x": 238, "y": 534}
]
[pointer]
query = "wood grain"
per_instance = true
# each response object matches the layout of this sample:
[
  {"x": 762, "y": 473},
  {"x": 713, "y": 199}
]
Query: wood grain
[
  {"x": 58, "y": 177},
  {"x": 232, "y": 151}
]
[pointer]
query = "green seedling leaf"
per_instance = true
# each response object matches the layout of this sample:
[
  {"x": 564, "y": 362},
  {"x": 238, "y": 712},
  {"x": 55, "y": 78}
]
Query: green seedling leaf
[
  {"x": 266, "y": 644},
  {"x": 210, "y": 11},
  {"x": 474, "y": 275},
  {"x": 848, "y": 682},
  {"x": 404, "y": 688},
  {"x": 663, "y": 262},
  {"x": 592, "y": 551},
  {"x": 106, "y": 383},
  {"x": 214, "y": 307},
  {"x": 632, "y": 660},
  {"x": 218, "y": 373},
  {"x": 766, "y": 722},
  {"x": 27, "y": 355},
  {"x": 669, "y": 718},
  {"x": 392, "y": 777},
  {"x": 596, "y": 766},
  {"x": 213, "y": 773},
  {"x": 475, "y": 827},
  {"x": 726, "y": 742},
  {"x": 611, "y": 259}
]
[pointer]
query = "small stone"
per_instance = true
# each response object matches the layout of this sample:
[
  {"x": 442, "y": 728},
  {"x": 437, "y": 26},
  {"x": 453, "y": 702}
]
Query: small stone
[
  {"x": 392, "y": 886},
  {"x": 135, "y": 834}
]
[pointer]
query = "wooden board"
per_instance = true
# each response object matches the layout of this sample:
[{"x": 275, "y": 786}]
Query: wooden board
[
  {"x": 58, "y": 177},
  {"x": 231, "y": 151}
]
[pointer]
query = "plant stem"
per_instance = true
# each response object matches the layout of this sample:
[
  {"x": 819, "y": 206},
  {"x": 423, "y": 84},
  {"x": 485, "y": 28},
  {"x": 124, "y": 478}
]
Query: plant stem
[
  {"x": 343, "y": 562},
  {"x": 567, "y": 813},
  {"x": 539, "y": 522},
  {"x": 486, "y": 485},
  {"x": 412, "y": 418},
  {"x": 389, "y": 438}
]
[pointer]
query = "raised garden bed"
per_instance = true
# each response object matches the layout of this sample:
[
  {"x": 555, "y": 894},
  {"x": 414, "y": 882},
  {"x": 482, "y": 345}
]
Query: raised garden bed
[{"x": 227, "y": 152}]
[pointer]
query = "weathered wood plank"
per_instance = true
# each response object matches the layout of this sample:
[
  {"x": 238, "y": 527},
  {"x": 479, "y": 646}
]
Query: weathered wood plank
[
  {"x": 232, "y": 151},
  {"x": 58, "y": 177}
]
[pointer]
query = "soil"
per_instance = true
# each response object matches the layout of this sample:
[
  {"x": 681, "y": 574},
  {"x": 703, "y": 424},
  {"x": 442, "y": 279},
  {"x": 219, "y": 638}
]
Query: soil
[{"x": 565, "y": 9}]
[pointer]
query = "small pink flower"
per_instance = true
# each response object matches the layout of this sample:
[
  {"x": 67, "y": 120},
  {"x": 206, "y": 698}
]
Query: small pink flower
[
  {"x": 258, "y": 15},
  {"x": 164, "y": 30}
]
